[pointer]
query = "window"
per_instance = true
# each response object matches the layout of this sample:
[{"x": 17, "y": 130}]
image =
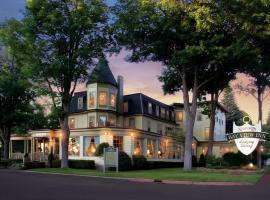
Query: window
[
  {"x": 118, "y": 142},
  {"x": 159, "y": 128},
  {"x": 103, "y": 98},
  {"x": 80, "y": 103},
  {"x": 149, "y": 108},
  {"x": 199, "y": 116},
  {"x": 206, "y": 133},
  {"x": 74, "y": 146},
  {"x": 102, "y": 120},
  {"x": 92, "y": 102},
  {"x": 167, "y": 114},
  {"x": 90, "y": 145},
  {"x": 92, "y": 122},
  {"x": 138, "y": 150},
  {"x": 125, "y": 107},
  {"x": 157, "y": 111},
  {"x": 173, "y": 116},
  {"x": 71, "y": 123},
  {"x": 180, "y": 116},
  {"x": 112, "y": 100},
  {"x": 131, "y": 122},
  {"x": 112, "y": 121},
  {"x": 150, "y": 148},
  {"x": 149, "y": 126},
  {"x": 163, "y": 112}
]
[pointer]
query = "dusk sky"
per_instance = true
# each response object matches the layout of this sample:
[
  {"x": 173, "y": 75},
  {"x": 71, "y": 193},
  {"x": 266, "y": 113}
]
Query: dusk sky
[{"x": 140, "y": 77}]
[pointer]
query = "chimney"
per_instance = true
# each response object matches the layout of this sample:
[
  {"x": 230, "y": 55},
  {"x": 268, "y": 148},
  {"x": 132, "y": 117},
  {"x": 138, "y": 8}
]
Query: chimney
[{"x": 120, "y": 99}]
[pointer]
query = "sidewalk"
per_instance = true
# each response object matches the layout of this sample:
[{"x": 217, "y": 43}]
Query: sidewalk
[{"x": 265, "y": 180}]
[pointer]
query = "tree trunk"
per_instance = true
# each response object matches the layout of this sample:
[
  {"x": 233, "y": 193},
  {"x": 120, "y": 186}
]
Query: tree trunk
[
  {"x": 259, "y": 153},
  {"x": 6, "y": 149},
  {"x": 214, "y": 101},
  {"x": 65, "y": 141},
  {"x": 190, "y": 118},
  {"x": 6, "y": 131}
]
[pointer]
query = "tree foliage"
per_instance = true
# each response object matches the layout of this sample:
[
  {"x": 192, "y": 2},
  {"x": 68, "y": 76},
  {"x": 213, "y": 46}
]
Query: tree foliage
[{"x": 57, "y": 42}]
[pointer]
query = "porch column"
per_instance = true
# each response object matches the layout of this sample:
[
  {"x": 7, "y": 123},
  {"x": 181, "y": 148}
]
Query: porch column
[
  {"x": 11, "y": 149},
  {"x": 145, "y": 147},
  {"x": 43, "y": 149},
  {"x": 60, "y": 147},
  {"x": 24, "y": 147},
  {"x": 156, "y": 149},
  {"x": 81, "y": 146},
  {"x": 32, "y": 148}
]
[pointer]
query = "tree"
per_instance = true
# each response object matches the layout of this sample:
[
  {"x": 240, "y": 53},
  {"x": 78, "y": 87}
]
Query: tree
[
  {"x": 180, "y": 35},
  {"x": 15, "y": 96},
  {"x": 58, "y": 42},
  {"x": 234, "y": 113},
  {"x": 254, "y": 20}
]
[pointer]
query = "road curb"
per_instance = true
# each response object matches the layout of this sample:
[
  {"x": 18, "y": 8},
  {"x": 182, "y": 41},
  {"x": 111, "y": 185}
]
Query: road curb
[{"x": 142, "y": 180}]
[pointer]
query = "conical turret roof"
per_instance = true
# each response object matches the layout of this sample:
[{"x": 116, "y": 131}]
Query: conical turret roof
[{"x": 102, "y": 74}]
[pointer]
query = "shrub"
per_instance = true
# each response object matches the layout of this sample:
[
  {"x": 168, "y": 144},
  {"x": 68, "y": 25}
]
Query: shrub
[
  {"x": 202, "y": 161},
  {"x": 214, "y": 162},
  {"x": 81, "y": 164},
  {"x": 124, "y": 161},
  {"x": 3, "y": 164},
  {"x": 56, "y": 163},
  {"x": 139, "y": 162},
  {"x": 50, "y": 159},
  {"x": 236, "y": 159},
  {"x": 194, "y": 161},
  {"x": 33, "y": 165},
  {"x": 99, "y": 150}
]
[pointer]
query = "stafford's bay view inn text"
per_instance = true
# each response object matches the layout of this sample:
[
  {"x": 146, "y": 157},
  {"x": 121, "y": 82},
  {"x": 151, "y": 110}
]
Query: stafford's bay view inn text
[{"x": 135, "y": 123}]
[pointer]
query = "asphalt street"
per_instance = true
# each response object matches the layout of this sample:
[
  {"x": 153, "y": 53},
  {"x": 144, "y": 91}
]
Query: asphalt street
[{"x": 23, "y": 185}]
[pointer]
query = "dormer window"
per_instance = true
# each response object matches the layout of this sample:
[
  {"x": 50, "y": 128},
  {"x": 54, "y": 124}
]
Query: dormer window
[
  {"x": 80, "y": 103},
  {"x": 149, "y": 108},
  {"x": 125, "y": 107},
  {"x": 103, "y": 98},
  {"x": 157, "y": 111},
  {"x": 163, "y": 112}
]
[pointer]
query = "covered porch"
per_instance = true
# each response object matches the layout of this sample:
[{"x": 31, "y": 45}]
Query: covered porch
[{"x": 34, "y": 147}]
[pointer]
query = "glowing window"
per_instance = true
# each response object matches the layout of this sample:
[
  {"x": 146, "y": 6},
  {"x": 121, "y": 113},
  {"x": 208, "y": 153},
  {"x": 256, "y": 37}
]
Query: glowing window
[
  {"x": 103, "y": 98},
  {"x": 118, "y": 142},
  {"x": 180, "y": 116},
  {"x": 71, "y": 123},
  {"x": 92, "y": 101},
  {"x": 112, "y": 100}
]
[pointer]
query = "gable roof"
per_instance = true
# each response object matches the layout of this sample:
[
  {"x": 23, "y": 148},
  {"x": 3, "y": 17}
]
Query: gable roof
[{"x": 102, "y": 74}]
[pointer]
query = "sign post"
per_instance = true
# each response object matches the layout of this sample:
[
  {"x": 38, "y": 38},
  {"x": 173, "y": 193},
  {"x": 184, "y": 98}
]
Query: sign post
[
  {"x": 247, "y": 137},
  {"x": 110, "y": 158}
]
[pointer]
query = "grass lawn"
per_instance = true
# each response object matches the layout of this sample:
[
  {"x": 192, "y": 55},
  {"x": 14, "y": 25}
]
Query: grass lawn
[{"x": 162, "y": 174}]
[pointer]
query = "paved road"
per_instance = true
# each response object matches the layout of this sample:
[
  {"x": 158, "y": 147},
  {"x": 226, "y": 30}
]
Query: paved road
[{"x": 31, "y": 186}]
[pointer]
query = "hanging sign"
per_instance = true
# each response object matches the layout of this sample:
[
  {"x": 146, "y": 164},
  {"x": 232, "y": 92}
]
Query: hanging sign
[{"x": 247, "y": 137}]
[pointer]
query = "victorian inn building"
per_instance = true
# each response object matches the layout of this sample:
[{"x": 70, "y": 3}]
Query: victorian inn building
[{"x": 134, "y": 123}]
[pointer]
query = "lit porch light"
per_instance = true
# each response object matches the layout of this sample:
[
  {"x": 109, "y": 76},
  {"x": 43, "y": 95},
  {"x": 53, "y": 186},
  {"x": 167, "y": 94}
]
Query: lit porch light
[{"x": 148, "y": 151}]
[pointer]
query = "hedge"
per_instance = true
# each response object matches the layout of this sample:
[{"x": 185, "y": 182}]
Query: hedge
[
  {"x": 76, "y": 164},
  {"x": 33, "y": 165},
  {"x": 81, "y": 164}
]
